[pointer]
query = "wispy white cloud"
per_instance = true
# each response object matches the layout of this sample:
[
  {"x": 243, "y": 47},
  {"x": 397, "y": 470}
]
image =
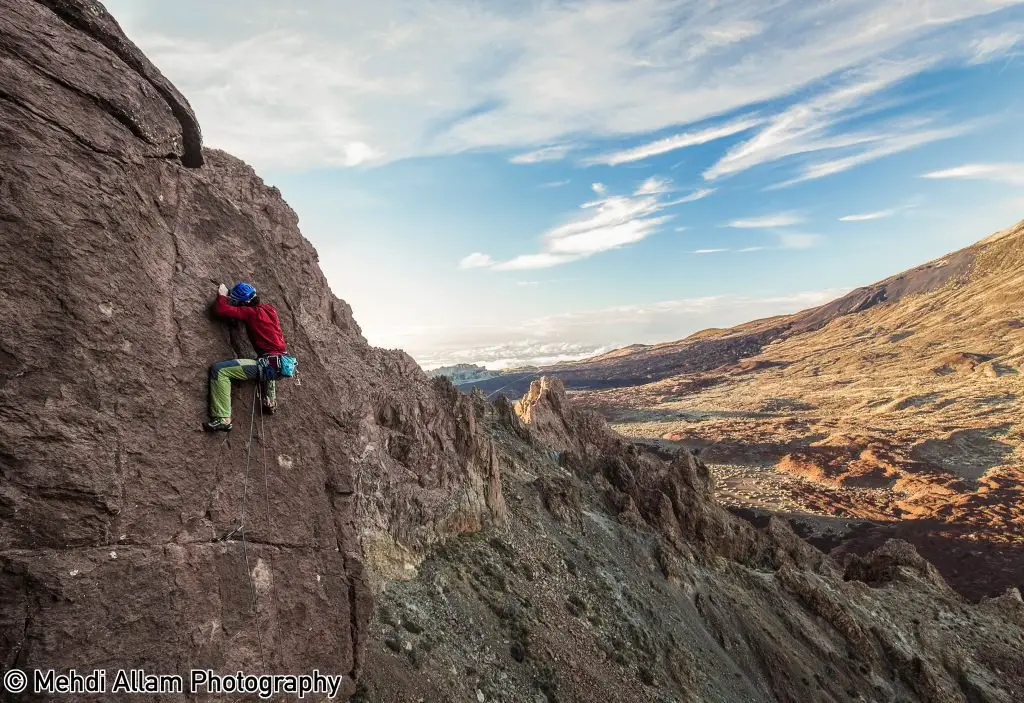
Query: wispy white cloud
[
  {"x": 868, "y": 216},
  {"x": 786, "y": 240},
  {"x": 995, "y": 46},
  {"x": 886, "y": 145},
  {"x": 548, "y": 153},
  {"x": 779, "y": 219},
  {"x": 820, "y": 122},
  {"x": 807, "y": 126},
  {"x": 654, "y": 185},
  {"x": 696, "y": 195},
  {"x": 612, "y": 222},
  {"x": 556, "y": 184},
  {"x": 660, "y": 185},
  {"x": 794, "y": 40},
  {"x": 725, "y": 34},
  {"x": 1011, "y": 173},
  {"x": 331, "y": 86},
  {"x": 615, "y": 223},
  {"x": 475, "y": 260},
  {"x": 678, "y": 141},
  {"x": 543, "y": 260}
]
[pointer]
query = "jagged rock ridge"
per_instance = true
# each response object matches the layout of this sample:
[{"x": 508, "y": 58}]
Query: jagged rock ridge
[{"x": 617, "y": 577}]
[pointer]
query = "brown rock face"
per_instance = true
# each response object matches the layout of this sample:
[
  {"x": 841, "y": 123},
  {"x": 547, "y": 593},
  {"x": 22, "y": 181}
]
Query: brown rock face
[{"x": 116, "y": 511}]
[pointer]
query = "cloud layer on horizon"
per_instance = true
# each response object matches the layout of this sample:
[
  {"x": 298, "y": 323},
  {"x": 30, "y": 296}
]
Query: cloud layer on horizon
[{"x": 577, "y": 335}]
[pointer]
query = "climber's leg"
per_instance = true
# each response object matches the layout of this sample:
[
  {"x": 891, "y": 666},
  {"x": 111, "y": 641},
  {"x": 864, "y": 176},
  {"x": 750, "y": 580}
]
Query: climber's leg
[{"x": 221, "y": 375}]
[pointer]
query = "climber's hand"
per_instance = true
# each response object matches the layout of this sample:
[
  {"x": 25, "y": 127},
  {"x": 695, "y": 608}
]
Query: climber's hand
[{"x": 223, "y": 290}]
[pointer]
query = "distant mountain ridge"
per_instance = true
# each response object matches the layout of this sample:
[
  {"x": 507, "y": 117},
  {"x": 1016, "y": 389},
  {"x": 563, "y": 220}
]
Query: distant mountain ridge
[{"x": 713, "y": 348}]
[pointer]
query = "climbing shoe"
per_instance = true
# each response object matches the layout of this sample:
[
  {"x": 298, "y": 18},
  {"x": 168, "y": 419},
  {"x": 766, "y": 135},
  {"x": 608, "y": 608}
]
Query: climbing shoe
[
  {"x": 217, "y": 425},
  {"x": 269, "y": 406}
]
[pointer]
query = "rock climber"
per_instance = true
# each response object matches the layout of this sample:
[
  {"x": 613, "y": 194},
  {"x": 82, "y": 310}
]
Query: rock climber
[{"x": 242, "y": 303}]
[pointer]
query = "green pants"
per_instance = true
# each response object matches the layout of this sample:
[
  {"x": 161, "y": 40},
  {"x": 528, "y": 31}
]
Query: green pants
[{"x": 223, "y": 373}]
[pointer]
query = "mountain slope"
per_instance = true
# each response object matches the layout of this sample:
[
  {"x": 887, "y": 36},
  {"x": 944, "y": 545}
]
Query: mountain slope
[
  {"x": 906, "y": 413},
  {"x": 710, "y": 349},
  {"x": 618, "y": 578}
]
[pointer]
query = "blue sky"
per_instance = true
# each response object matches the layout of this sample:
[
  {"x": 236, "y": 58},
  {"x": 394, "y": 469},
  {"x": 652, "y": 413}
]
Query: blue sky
[{"x": 505, "y": 183}]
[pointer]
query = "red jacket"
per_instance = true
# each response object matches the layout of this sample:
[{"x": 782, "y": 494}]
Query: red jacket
[{"x": 260, "y": 322}]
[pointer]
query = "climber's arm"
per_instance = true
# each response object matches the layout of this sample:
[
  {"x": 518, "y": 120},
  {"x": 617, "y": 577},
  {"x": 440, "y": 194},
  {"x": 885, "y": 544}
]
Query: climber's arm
[{"x": 222, "y": 308}]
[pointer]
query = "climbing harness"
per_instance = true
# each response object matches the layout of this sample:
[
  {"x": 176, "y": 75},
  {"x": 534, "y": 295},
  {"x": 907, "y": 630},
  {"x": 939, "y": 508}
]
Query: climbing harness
[{"x": 275, "y": 366}]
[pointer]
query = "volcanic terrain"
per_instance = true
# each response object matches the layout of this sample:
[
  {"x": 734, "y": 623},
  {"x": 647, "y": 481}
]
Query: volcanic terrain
[{"x": 895, "y": 410}]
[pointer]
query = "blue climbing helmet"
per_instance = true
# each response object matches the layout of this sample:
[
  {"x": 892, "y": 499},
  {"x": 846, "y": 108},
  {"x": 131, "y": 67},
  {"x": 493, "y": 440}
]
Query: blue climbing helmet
[{"x": 242, "y": 293}]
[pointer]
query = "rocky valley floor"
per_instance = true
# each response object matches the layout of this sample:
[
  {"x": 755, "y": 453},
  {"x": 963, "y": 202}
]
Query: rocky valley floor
[{"x": 904, "y": 419}]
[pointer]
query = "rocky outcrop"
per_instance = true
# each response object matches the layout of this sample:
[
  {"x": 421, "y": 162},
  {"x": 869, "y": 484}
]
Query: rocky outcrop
[
  {"x": 617, "y": 577},
  {"x": 427, "y": 472},
  {"x": 890, "y": 562},
  {"x": 673, "y": 498},
  {"x": 59, "y": 78},
  {"x": 118, "y": 517}
]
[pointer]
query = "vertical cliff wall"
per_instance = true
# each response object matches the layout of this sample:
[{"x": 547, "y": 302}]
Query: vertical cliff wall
[{"x": 115, "y": 509}]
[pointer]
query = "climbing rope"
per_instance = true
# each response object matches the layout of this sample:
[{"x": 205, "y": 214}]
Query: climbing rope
[
  {"x": 257, "y": 399},
  {"x": 241, "y": 527},
  {"x": 263, "y": 444}
]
